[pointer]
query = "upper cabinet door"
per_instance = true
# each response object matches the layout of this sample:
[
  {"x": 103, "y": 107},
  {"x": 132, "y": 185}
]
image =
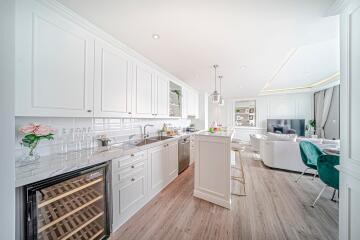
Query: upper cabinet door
[
  {"x": 162, "y": 97},
  {"x": 185, "y": 100},
  {"x": 144, "y": 99},
  {"x": 54, "y": 64},
  {"x": 112, "y": 88}
]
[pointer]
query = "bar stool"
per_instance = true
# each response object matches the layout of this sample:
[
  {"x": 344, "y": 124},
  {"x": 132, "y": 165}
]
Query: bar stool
[{"x": 238, "y": 166}]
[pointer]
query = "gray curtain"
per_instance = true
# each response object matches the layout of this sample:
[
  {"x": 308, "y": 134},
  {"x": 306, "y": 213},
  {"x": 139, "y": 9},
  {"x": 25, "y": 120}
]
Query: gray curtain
[
  {"x": 322, "y": 107},
  {"x": 319, "y": 103}
]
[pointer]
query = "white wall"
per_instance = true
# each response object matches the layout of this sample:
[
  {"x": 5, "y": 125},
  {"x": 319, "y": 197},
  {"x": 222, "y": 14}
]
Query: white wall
[
  {"x": 202, "y": 122},
  {"x": 295, "y": 105},
  {"x": 7, "y": 167}
]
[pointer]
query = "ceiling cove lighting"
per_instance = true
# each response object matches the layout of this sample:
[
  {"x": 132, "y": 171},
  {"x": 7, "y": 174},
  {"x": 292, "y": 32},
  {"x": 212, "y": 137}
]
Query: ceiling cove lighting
[
  {"x": 215, "y": 96},
  {"x": 221, "y": 101}
]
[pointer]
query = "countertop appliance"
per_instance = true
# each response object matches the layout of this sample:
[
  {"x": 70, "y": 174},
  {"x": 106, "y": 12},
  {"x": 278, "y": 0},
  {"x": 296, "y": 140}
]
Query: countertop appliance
[
  {"x": 70, "y": 206},
  {"x": 184, "y": 153}
]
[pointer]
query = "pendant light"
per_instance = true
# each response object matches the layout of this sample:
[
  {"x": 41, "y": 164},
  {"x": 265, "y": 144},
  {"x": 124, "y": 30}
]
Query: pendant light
[
  {"x": 215, "y": 96},
  {"x": 221, "y": 100}
]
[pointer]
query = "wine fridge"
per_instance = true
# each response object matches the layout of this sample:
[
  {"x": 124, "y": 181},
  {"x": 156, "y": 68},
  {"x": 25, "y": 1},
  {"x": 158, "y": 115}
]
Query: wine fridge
[{"x": 68, "y": 207}]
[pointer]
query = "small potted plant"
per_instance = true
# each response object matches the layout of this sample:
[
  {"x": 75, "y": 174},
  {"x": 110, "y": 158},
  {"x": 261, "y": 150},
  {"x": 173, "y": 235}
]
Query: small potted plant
[
  {"x": 33, "y": 134},
  {"x": 310, "y": 127}
]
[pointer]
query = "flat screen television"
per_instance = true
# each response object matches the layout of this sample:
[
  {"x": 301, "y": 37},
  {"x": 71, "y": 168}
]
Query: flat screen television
[{"x": 286, "y": 126}]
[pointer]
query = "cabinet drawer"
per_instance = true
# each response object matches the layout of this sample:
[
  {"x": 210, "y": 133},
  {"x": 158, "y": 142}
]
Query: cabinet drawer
[
  {"x": 127, "y": 160},
  {"x": 132, "y": 168},
  {"x": 130, "y": 178},
  {"x": 127, "y": 173}
]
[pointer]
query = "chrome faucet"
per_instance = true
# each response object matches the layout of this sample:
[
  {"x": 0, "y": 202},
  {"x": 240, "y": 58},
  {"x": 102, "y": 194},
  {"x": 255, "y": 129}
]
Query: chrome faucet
[{"x": 145, "y": 135}]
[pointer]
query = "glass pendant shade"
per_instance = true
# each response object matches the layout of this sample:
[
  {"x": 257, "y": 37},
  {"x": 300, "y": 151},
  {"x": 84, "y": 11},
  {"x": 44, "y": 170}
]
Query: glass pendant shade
[
  {"x": 215, "y": 97},
  {"x": 221, "y": 101}
]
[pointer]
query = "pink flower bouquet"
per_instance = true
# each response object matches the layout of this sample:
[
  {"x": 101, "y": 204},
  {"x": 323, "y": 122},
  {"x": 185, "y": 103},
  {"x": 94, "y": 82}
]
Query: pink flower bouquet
[{"x": 34, "y": 133}]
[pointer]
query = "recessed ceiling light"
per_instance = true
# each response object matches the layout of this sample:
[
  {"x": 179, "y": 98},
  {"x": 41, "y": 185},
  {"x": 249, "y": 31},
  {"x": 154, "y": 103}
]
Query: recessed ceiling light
[
  {"x": 243, "y": 67},
  {"x": 155, "y": 36}
]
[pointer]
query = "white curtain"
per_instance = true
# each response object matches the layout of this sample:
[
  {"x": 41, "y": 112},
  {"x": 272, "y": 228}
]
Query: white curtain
[{"x": 322, "y": 107}]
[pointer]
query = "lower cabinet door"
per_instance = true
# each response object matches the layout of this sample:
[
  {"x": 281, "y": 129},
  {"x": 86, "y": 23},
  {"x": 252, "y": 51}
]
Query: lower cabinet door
[
  {"x": 157, "y": 167},
  {"x": 172, "y": 161},
  {"x": 128, "y": 197}
]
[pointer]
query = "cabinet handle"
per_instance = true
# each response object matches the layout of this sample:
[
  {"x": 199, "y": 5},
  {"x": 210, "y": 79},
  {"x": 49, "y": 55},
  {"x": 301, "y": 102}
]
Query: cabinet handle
[
  {"x": 132, "y": 155},
  {"x": 129, "y": 112},
  {"x": 133, "y": 179},
  {"x": 89, "y": 111},
  {"x": 132, "y": 166}
]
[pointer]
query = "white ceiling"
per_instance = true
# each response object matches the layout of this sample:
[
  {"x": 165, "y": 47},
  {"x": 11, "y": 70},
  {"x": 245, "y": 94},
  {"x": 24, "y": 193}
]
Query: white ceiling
[{"x": 282, "y": 43}]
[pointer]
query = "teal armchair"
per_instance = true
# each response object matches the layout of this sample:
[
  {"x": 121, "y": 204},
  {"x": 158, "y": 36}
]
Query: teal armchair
[
  {"x": 309, "y": 154},
  {"x": 328, "y": 173}
]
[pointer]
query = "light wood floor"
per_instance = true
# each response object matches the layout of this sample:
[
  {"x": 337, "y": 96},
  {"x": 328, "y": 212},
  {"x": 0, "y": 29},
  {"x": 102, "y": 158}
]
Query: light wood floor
[{"x": 275, "y": 208}]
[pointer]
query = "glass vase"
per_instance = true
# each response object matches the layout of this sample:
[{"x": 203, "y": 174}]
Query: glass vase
[{"x": 29, "y": 155}]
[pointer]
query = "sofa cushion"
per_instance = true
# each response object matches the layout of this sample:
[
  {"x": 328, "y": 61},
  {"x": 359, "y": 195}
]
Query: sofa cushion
[{"x": 281, "y": 137}]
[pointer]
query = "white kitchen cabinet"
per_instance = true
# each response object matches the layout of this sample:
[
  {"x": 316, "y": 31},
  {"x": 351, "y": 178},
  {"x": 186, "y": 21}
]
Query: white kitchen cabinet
[
  {"x": 129, "y": 186},
  {"x": 138, "y": 177},
  {"x": 113, "y": 82},
  {"x": 54, "y": 64},
  {"x": 144, "y": 91},
  {"x": 158, "y": 168},
  {"x": 185, "y": 102},
  {"x": 192, "y": 149},
  {"x": 212, "y": 178},
  {"x": 162, "y": 97},
  {"x": 163, "y": 166},
  {"x": 172, "y": 161}
]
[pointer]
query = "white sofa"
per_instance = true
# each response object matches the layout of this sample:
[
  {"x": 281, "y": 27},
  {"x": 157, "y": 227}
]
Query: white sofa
[
  {"x": 282, "y": 155},
  {"x": 255, "y": 141},
  {"x": 283, "y": 152}
]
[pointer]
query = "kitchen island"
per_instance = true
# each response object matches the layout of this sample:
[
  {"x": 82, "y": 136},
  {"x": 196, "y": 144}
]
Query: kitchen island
[{"x": 213, "y": 166}]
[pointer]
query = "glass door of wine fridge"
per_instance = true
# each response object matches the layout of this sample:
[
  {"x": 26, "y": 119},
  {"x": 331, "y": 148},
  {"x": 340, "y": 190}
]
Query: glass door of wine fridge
[{"x": 72, "y": 206}]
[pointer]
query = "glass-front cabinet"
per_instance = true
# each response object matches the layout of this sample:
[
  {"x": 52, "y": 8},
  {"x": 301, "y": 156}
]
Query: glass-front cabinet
[{"x": 175, "y": 100}]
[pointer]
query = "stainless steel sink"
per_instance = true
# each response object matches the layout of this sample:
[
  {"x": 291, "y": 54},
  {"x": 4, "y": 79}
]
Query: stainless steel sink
[
  {"x": 149, "y": 140},
  {"x": 144, "y": 142},
  {"x": 159, "y": 138}
]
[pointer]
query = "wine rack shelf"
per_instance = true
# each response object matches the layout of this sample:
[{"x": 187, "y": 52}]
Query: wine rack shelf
[
  {"x": 55, "y": 212},
  {"x": 80, "y": 223},
  {"x": 59, "y": 191},
  {"x": 90, "y": 232}
]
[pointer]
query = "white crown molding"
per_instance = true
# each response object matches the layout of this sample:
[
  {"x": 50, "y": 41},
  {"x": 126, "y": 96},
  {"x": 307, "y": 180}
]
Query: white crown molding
[
  {"x": 283, "y": 64},
  {"x": 330, "y": 81},
  {"x": 340, "y": 6},
  {"x": 336, "y": 8}
]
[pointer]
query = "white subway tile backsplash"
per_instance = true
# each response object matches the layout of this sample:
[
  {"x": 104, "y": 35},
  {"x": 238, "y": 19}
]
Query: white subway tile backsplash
[{"x": 117, "y": 129}]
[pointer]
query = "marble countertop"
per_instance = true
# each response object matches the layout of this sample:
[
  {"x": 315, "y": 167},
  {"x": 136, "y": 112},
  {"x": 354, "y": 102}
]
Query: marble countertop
[
  {"x": 226, "y": 134},
  {"x": 54, "y": 165}
]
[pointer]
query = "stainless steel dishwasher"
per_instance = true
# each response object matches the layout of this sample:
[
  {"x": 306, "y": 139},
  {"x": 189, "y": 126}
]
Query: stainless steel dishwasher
[{"x": 184, "y": 153}]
